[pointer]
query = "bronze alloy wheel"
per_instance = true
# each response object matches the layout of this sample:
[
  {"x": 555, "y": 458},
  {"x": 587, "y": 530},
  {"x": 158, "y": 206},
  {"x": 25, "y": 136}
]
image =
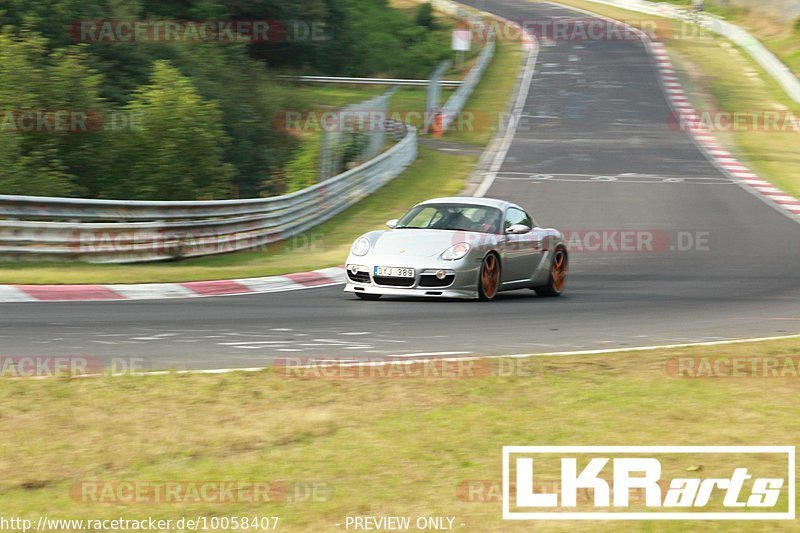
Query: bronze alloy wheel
[
  {"x": 558, "y": 275},
  {"x": 489, "y": 281}
]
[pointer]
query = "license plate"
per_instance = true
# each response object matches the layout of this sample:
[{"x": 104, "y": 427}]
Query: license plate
[{"x": 394, "y": 272}]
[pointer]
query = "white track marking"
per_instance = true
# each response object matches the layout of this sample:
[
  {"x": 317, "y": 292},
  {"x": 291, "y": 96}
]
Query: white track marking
[
  {"x": 427, "y": 354},
  {"x": 475, "y": 358},
  {"x": 251, "y": 343},
  {"x": 511, "y": 129}
]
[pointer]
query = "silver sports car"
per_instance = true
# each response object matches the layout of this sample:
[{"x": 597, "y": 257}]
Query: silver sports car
[{"x": 458, "y": 248}]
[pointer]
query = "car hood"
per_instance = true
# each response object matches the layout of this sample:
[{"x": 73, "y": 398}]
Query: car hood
[{"x": 424, "y": 242}]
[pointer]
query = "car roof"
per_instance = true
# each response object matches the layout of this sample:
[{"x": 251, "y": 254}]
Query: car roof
[{"x": 471, "y": 200}]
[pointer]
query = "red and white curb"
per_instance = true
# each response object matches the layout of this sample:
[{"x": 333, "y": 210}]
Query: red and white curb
[
  {"x": 689, "y": 121},
  {"x": 161, "y": 291}
]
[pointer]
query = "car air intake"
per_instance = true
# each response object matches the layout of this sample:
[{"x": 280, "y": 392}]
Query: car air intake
[
  {"x": 358, "y": 277},
  {"x": 429, "y": 280},
  {"x": 394, "y": 282}
]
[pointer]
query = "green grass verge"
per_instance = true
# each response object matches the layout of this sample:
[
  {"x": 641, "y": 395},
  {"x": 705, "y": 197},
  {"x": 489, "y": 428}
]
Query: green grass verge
[
  {"x": 786, "y": 45},
  {"x": 379, "y": 446},
  {"x": 433, "y": 174},
  {"x": 762, "y": 21},
  {"x": 309, "y": 96},
  {"x": 714, "y": 74}
]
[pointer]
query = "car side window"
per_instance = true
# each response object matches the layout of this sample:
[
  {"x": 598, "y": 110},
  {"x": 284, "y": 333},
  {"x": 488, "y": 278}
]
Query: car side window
[{"x": 516, "y": 216}]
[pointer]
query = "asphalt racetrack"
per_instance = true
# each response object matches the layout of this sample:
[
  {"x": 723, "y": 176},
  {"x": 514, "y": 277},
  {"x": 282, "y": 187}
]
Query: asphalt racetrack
[{"x": 595, "y": 155}]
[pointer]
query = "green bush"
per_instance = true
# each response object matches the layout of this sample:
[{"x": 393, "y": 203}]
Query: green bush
[
  {"x": 177, "y": 153},
  {"x": 301, "y": 172}
]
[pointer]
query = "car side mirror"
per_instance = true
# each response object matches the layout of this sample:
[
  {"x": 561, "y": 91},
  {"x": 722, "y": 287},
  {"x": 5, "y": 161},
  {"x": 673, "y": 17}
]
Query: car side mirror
[
  {"x": 392, "y": 223},
  {"x": 518, "y": 229}
]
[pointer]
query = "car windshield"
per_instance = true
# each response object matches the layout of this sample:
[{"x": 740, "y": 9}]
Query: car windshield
[{"x": 460, "y": 217}]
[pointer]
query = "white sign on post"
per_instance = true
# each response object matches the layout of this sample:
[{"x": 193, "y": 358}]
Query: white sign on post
[{"x": 461, "y": 40}]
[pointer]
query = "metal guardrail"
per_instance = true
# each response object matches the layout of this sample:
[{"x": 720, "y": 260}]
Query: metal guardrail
[
  {"x": 782, "y": 74},
  {"x": 334, "y": 141},
  {"x": 111, "y": 231},
  {"x": 370, "y": 81},
  {"x": 434, "y": 92}
]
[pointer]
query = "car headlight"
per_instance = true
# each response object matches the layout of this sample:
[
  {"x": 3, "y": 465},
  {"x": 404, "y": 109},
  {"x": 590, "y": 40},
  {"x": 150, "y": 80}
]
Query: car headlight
[
  {"x": 457, "y": 251},
  {"x": 361, "y": 246}
]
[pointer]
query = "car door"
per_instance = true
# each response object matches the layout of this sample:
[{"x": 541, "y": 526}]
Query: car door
[{"x": 522, "y": 250}]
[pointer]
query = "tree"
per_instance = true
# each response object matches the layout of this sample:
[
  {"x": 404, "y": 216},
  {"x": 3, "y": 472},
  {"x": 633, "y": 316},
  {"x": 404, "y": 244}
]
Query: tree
[
  {"x": 248, "y": 101},
  {"x": 425, "y": 16},
  {"x": 176, "y": 152},
  {"x": 301, "y": 172},
  {"x": 218, "y": 100},
  {"x": 35, "y": 159}
]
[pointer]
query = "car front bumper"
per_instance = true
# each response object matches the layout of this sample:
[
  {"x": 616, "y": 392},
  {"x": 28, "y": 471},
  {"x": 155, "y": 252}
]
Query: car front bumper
[
  {"x": 410, "y": 292},
  {"x": 464, "y": 279}
]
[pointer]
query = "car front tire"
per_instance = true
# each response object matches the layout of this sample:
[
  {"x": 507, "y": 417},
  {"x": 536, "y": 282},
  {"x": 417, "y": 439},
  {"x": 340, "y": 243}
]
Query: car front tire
[
  {"x": 489, "y": 278},
  {"x": 556, "y": 282}
]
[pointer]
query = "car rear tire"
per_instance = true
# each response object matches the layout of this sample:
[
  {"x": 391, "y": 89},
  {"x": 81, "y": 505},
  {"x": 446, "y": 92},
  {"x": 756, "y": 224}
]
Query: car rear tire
[
  {"x": 556, "y": 283},
  {"x": 368, "y": 296},
  {"x": 489, "y": 278}
]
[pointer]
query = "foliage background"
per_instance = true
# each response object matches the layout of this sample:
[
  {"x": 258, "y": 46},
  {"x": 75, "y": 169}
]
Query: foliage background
[{"x": 203, "y": 114}]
